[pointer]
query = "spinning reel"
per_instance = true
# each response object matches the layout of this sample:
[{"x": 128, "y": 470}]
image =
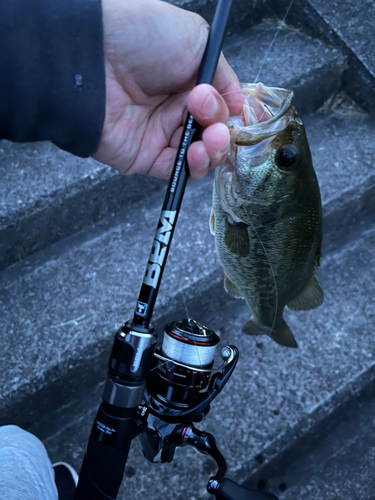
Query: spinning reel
[{"x": 179, "y": 391}]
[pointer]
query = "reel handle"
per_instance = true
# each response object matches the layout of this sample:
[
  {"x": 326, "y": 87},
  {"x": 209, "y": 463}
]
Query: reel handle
[{"x": 229, "y": 490}]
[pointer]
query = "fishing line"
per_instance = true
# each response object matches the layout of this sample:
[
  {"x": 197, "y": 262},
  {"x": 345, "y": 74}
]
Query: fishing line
[
  {"x": 188, "y": 315},
  {"x": 273, "y": 274},
  {"x": 186, "y": 309},
  {"x": 273, "y": 40},
  {"x": 269, "y": 49},
  {"x": 159, "y": 365},
  {"x": 177, "y": 349},
  {"x": 190, "y": 354}
]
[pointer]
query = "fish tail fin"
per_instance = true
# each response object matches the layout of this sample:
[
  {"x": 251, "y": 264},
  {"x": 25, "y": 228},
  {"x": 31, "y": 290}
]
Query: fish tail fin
[{"x": 282, "y": 335}]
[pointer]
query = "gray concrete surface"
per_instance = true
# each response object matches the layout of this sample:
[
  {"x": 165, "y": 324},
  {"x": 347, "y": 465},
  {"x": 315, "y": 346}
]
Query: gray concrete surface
[
  {"x": 242, "y": 14},
  {"x": 342, "y": 149},
  {"x": 276, "y": 395},
  {"x": 48, "y": 194},
  {"x": 68, "y": 300},
  {"x": 62, "y": 302},
  {"x": 346, "y": 25},
  {"x": 291, "y": 60},
  {"x": 352, "y": 23},
  {"x": 334, "y": 461}
]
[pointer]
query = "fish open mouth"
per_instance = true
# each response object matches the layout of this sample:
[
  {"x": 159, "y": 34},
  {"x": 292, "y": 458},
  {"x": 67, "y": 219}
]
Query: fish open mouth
[{"x": 268, "y": 111}]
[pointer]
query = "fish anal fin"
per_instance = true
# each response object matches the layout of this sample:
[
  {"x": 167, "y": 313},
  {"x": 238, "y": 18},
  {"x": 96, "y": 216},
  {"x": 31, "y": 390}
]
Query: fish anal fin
[
  {"x": 212, "y": 222},
  {"x": 311, "y": 297},
  {"x": 236, "y": 238},
  {"x": 231, "y": 288},
  {"x": 282, "y": 335},
  {"x": 251, "y": 328}
]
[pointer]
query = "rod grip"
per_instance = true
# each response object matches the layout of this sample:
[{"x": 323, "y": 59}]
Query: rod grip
[
  {"x": 104, "y": 463},
  {"x": 229, "y": 490},
  {"x": 101, "y": 473}
]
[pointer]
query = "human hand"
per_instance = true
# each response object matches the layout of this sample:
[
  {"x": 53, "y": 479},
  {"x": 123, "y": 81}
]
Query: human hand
[{"x": 152, "y": 54}]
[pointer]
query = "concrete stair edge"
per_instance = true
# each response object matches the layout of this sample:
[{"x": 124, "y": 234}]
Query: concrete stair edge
[{"x": 51, "y": 213}]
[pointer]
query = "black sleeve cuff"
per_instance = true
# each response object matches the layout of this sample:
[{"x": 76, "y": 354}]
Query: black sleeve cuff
[{"x": 52, "y": 78}]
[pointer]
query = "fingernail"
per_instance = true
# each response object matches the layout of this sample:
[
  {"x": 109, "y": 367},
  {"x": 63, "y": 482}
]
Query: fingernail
[
  {"x": 210, "y": 107},
  {"x": 206, "y": 165},
  {"x": 225, "y": 150},
  {"x": 219, "y": 157}
]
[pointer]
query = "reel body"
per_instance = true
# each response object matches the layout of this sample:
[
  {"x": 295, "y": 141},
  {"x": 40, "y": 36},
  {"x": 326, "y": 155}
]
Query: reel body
[
  {"x": 183, "y": 370},
  {"x": 179, "y": 389}
]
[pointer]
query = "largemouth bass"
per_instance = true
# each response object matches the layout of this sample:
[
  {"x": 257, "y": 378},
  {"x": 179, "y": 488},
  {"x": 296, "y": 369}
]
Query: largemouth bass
[{"x": 266, "y": 215}]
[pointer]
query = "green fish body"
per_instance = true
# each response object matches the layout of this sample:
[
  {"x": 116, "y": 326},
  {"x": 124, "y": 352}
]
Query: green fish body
[{"x": 266, "y": 215}]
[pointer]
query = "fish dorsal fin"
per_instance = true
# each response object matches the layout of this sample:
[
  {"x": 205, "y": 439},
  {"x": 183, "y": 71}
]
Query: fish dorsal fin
[
  {"x": 311, "y": 297},
  {"x": 212, "y": 222},
  {"x": 236, "y": 238},
  {"x": 282, "y": 335},
  {"x": 231, "y": 288}
]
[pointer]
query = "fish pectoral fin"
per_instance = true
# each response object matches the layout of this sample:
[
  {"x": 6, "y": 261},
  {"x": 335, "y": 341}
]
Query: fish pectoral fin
[
  {"x": 281, "y": 335},
  {"x": 311, "y": 297},
  {"x": 212, "y": 222},
  {"x": 236, "y": 238},
  {"x": 230, "y": 288}
]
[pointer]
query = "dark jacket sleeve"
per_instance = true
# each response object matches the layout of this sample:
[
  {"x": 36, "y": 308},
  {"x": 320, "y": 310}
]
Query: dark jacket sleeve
[{"x": 52, "y": 80}]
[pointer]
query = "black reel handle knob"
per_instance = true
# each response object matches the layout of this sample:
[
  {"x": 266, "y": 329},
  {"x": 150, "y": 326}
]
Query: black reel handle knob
[{"x": 229, "y": 490}]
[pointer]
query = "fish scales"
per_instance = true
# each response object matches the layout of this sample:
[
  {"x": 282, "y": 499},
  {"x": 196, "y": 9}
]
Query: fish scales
[{"x": 267, "y": 216}]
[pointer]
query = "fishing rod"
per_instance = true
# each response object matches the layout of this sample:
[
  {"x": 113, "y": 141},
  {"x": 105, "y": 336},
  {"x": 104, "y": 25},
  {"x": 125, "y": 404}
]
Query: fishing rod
[{"x": 156, "y": 395}]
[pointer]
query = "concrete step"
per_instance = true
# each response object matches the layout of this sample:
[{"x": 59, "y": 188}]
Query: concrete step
[
  {"x": 346, "y": 25},
  {"x": 291, "y": 60},
  {"x": 60, "y": 307},
  {"x": 47, "y": 194},
  {"x": 241, "y": 16},
  {"x": 335, "y": 460},
  {"x": 276, "y": 398}
]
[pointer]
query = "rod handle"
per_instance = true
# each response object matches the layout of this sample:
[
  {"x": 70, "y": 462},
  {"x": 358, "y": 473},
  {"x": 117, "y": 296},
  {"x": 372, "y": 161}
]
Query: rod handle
[
  {"x": 229, "y": 490},
  {"x": 101, "y": 473}
]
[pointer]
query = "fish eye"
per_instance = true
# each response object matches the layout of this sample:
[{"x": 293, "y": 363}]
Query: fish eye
[{"x": 286, "y": 157}]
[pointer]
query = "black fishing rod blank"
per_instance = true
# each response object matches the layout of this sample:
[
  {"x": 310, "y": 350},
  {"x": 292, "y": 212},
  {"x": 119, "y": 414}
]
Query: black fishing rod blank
[
  {"x": 117, "y": 422},
  {"x": 180, "y": 173}
]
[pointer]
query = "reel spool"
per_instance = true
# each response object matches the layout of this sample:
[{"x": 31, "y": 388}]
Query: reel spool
[
  {"x": 184, "y": 367},
  {"x": 190, "y": 343}
]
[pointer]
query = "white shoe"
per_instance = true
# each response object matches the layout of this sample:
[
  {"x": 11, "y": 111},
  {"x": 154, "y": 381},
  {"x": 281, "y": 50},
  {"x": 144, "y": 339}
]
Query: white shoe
[{"x": 66, "y": 479}]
